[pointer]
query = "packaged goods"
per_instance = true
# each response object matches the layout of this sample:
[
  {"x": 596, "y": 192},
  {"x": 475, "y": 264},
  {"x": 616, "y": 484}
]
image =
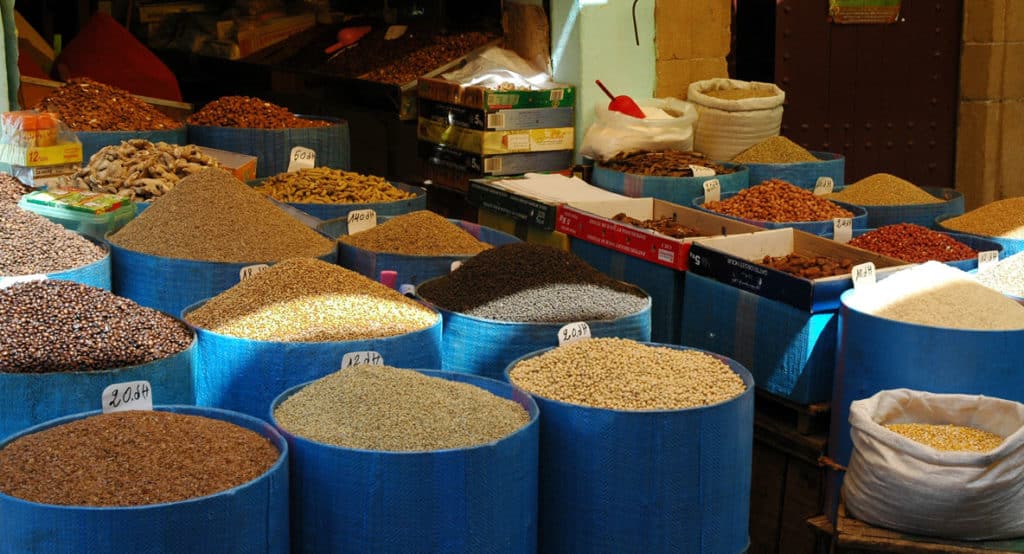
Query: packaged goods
[
  {"x": 621, "y": 374},
  {"x": 369, "y": 407},
  {"x": 420, "y": 233},
  {"x": 86, "y": 105},
  {"x": 12, "y": 189},
  {"x": 330, "y": 186},
  {"x": 31, "y": 244},
  {"x": 778, "y": 201},
  {"x": 665, "y": 225},
  {"x": 775, "y": 150},
  {"x": 139, "y": 169},
  {"x": 913, "y": 243},
  {"x": 883, "y": 189},
  {"x": 38, "y": 146},
  {"x": 307, "y": 300},
  {"x": 809, "y": 267},
  {"x": 250, "y": 113},
  {"x": 212, "y": 216},
  {"x": 948, "y": 437},
  {"x": 526, "y": 282},
  {"x": 132, "y": 458},
  {"x": 58, "y": 326},
  {"x": 1002, "y": 218},
  {"x": 1007, "y": 276},
  {"x": 936, "y": 295},
  {"x": 665, "y": 163}
]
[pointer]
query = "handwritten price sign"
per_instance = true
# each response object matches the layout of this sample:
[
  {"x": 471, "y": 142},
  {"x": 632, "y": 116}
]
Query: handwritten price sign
[
  {"x": 361, "y": 220},
  {"x": 573, "y": 332},
  {"x": 363, "y": 357},
  {"x": 130, "y": 395},
  {"x": 301, "y": 158}
]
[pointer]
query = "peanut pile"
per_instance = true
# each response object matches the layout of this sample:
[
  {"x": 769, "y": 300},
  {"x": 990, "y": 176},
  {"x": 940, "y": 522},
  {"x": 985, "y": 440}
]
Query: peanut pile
[
  {"x": 85, "y": 105},
  {"x": 809, "y": 267},
  {"x": 250, "y": 113},
  {"x": 777, "y": 201}
]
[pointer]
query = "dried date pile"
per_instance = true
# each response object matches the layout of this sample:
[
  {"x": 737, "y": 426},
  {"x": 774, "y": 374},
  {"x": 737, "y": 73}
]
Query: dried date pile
[
  {"x": 662, "y": 163},
  {"x": 664, "y": 225},
  {"x": 250, "y": 113},
  {"x": 809, "y": 267},
  {"x": 85, "y": 105}
]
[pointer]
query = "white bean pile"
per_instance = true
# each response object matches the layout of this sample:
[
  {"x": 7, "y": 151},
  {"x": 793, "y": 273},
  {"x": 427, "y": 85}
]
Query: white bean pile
[{"x": 1007, "y": 276}]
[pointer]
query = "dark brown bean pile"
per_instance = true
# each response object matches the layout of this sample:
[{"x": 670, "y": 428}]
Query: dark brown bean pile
[
  {"x": 250, "y": 113},
  {"x": 664, "y": 225},
  {"x": 809, "y": 267},
  {"x": 664, "y": 163},
  {"x": 12, "y": 189},
  {"x": 30, "y": 243},
  {"x": 85, "y": 105},
  {"x": 59, "y": 326},
  {"x": 133, "y": 458}
]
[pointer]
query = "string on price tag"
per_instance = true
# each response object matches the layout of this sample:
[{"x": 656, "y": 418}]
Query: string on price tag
[
  {"x": 712, "y": 190},
  {"x": 8, "y": 281},
  {"x": 250, "y": 270},
  {"x": 361, "y": 220},
  {"x": 573, "y": 332},
  {"x": 362, "y": 357},
  {"x": 130, "y": 395},
  {"x": 842, "y": 229},
  {"x": 701, "y": 171},
  {"x": 987, "y": 259},
  {"x": 823, "y": 186},
  {"x": 863, "y": 276},
  {"x": 301, "y": 158}
]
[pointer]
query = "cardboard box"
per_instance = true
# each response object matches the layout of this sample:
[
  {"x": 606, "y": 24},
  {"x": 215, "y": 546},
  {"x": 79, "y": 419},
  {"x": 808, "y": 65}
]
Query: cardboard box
[
  {"x": 500, "y": 120},
  {"x": 534, "y": 201},
  {"x": 442, "y": 90},
  {"x": 733, "y": 261},
  {"x": 242, "y": 166},
  {"x": 522, "y": 229},
  {"x": 502, "y": 164},
  {"x": 592, "y": 221},
  {"x": 534, "y": 213},
  {"x": 253, "y": 37},
  {"x": 495, "y": 142}
]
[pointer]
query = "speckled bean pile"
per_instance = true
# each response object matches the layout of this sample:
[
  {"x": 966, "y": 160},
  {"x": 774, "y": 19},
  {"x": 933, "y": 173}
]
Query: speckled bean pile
[
  {"x": 948, "y": 437},
  {"x": 133, "y": 458},
  {"x": 420, "y": 233},
  {"x": 1002, "y": 218},
  {"x": 12, "y": 189},
  {"x": 384, "y": 408},
  {"x": 883, "y": 189},
  {"x": 548, "y": 304},
  {"x": 621, "y": 374},
  {"x": 1007, "y": 276},
  {"x": 30, "y": 244}
]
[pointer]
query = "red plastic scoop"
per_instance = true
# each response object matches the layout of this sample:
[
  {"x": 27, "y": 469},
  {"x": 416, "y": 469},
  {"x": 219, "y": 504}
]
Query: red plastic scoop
[
  {"x": 347, "y": 37},
  {"x": 622, "y": 104}
]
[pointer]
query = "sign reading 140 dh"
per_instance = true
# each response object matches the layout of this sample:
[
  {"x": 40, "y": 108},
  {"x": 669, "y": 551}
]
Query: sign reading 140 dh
[{"x": 863, "y": 11}]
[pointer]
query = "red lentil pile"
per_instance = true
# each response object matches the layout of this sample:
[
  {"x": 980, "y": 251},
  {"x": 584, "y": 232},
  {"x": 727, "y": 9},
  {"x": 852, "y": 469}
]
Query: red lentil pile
[
  {"x": 913, "y": 243},
  {"x": 777, "y": 201},
  {"x": 250, "y": 113}
]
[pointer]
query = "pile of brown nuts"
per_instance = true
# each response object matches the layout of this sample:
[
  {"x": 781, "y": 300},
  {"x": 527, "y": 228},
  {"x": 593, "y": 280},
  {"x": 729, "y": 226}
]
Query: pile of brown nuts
[
  {"x": 663, "y": 163},
  {"x": 250, "y": 113},
  {"x": 85, "y": 105},
  {"x": 444, "y": 49},
  {"x": 664, "y": 225},
  {"x": 809, "y": 267},
  {"x": 778, "y": 201}
]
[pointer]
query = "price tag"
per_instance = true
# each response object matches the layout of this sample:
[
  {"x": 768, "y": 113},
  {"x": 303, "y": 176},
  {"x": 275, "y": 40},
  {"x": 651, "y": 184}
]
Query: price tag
[
  {"x": 130, "y": 395},
  {"x": 712, "y": 190},
  {"x": 301, "y": 158},
  {"x": 361, "y": 220},
  {"x": 407, "y": 289},
  {"x": 824, "y": 185},
  {"x": 701, "y": 171},
  {"x": 987, "y": 259},
  {"x": 250, "y": 270},
  {"x": 363, "y": 357},
  {"x": 842, "y": 229},
  {"x": 518, "y": 141},
  {"x": 573, "y": 332},
  {"x": 8, "y": 281},
  {"x": 456, "y": 265},
  {"x": 863, "y": 276}
]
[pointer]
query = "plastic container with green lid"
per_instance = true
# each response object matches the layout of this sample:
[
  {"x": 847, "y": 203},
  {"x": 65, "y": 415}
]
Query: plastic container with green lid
[{"x": 89, "y": 213}]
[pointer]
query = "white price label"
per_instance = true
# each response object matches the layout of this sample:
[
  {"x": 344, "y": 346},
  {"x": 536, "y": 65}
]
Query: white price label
[
  {"x": 130, "y": 395},
  {"x": 519, "y": 141},
  {"x": 301, "y": 158},
  {"x": 824, "y": 185},
  {"x": 701, "y": 171},
  {"x": 863, "y": 275},
  {"x": 712, "y": 190},
  {"x": 987, "y": 259},
  {"x": 573, "y": 332},
  {"x": 250, "y": 270},
  {"x": 363, "y": 357},
  {"x": 456, "y": 265},
  {"x": 361, "y": 220},
  {"x": 407, "y": 289},
  {"x": 8, "y": 281},
  {"x": 842, "y": 229}
]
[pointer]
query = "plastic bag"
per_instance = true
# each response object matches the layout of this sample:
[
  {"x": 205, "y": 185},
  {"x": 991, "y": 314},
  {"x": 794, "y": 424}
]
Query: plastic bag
[
  {"x": 614, "y": 132},
  {"x": 895, "y": 482},
  {"x": 501, "y": 69},
  {"x": 727, "y": 127}
]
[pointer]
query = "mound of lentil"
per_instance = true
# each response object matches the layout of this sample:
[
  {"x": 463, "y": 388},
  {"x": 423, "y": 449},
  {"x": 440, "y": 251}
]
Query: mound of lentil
[
  {"x": 12, "y": 189},
  {"x": 778, "y": 201},
  {"x": 307, "y": 300},
  {"x": 86, "y": 105},
  {"x": 913, "y": 243},
  {"x": 948, "y": 437},
  {"x": 937, "y": 295},
  {"x": 1007, "y": 276},
  {"x": 323, "y": 185},
  {"x": 132, "y": 459},
  {"x": 665, "y": 163},
  {"x": 60, "y": 326},
  {"x": 883, "y": 189},
  {"x": 775, "y": 150},
  {"x": 384, "y": 408},
  {"x": 1002, "y": 218},
  {"x": 420, "y": 233},
  {"x": 250, "y": 113},
  {"x": 516, "y": 282},
  {"x": 621, "y": 374},
  {"x": 30, "y": 243},
  {"x": 212, "y": 216}
]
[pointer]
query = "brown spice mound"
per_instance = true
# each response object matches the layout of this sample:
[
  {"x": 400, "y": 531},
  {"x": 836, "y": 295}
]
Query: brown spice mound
[
  {"x": 420, "y": 233},
  {"x": 86, "y": 105},
  {"x": 778, "y": 201},
  {"x": 133, "y": 459},
  {"x": 12, "y": 189},
  {"x": 250, "y": 113},
  {"x": 775, "y": 150}
]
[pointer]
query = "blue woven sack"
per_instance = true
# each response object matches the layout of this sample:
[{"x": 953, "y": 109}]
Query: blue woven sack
[
  {"x": 920, "y": 214},
  {"x": 679, "y": 190},
  {"x": 802, "y": 174}
]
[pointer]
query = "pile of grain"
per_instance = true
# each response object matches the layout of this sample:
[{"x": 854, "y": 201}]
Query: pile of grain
[
  {"x": 420, "y": 233},
  {"x": 883, "y": 189},
  {"x": 949, "y": 438},
  {"x": 1002, "y": 218},
  {"x": 775, "y": 150}
]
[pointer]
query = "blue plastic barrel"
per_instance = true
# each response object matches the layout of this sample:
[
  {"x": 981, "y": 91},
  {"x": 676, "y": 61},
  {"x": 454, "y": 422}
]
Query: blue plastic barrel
[
  {"x": 679, "y": 190},
  {"x": 246, "y": 375},
  {"x": 1010, "y": 246},
  {"x": 921, "y": 214},
  {"x": 481, "y": 346},
  {"x": 171, "y": 284},
  {"x": 95, "y": 274},
  {"x": 341, "y": 210},
  {"x": 411, "y": 269},
  {"x": 93, "y": 141},
  {"x": 876, "y": 354},
  {"x": 802, "y": 174},
  {"x": 37, "y": 397},
  {"x": 860, "y": 218},
  {"x": 252, "y": 517},
  {"x": 477, "y": 499},
  {"x": 646, "y": 481},
  {"x": 273, "y": 147}
]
